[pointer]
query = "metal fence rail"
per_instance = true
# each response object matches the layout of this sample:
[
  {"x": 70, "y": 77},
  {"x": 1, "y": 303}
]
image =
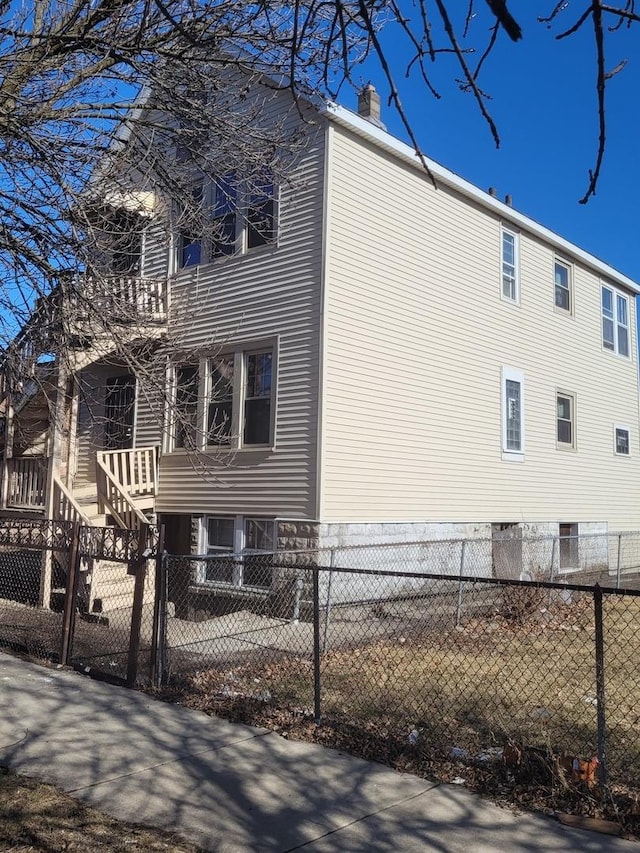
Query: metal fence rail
[{"x": 463, "y": 667}]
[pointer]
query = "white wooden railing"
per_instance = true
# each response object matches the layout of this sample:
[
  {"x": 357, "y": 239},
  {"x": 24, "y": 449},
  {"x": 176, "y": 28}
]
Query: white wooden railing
[
  {"x": 65, "y": 507},
  {"x": 122, "y": 477},
  {"x": 27, "y": 479},
  {"x": 125, "y": 299}
]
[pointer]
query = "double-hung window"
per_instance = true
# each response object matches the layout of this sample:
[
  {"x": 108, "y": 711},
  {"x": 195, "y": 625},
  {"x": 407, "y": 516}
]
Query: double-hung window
[
  {"x": 566, "y": 420},
  {"x": 509, "y": 261},
  {"x": 187, "y": 383},
  {"x": 190, "y": 237},
  {"x": 220, "y": 400},
  {"x": 562, "y": 281},
  {"x": 512, "y": 414},
  {"x": 261, "y": 210},
  {"x": 615, "y": 321},
  {"x": 225, "y": 206},
  {"x": 621, "y": 440},
  {"x": 258, "y": 368}
]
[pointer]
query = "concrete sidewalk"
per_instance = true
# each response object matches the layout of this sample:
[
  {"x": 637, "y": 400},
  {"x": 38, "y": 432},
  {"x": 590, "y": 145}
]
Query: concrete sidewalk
[{"x": 235, "y": 788}]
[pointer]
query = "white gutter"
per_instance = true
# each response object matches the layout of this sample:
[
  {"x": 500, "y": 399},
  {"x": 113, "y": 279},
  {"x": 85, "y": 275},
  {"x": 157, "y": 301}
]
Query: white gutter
[{"x": 365, "y": 129}]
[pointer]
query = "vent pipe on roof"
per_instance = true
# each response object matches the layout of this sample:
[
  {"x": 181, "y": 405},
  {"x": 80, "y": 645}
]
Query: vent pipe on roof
[
  {"x": 369, "y": 105},
  {"x": 508, "y": 200},
  {"x": 492, "y": 191}
]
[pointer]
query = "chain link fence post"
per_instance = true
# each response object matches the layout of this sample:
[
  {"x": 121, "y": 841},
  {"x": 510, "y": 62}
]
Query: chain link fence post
[
  {"x": 140, "y": 572},
  {"x": 460, "y": 584},
  {"x": 618, "y": 561},
  {"x": 316, "y": 643},
  {"x": 159, "y": 630},
  {"x": 327, "y": 609},
  {"x": 69, "y": 608},
  {"x": 600, "y": 685}
]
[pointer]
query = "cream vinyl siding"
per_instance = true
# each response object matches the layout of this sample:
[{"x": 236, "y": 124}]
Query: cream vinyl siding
[
  {"x": 417, "y": 335},
  {"x": 269, "y": 294}
]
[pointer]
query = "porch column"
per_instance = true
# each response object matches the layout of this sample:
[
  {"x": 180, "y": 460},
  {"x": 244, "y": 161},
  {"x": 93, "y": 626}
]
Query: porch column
[{"x": 57, "y": 444}]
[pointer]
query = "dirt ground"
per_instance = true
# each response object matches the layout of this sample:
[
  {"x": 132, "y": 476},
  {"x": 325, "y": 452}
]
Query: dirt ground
[{"x": 41, "y": 819}]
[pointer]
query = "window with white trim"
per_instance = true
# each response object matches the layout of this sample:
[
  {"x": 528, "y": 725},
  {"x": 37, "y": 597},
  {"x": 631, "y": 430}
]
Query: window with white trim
[
  {"x": 512, "y": 413},
  {"x": 509, "y": 262},
  {"x": 621, "y": 440},
  {"x": 562, "y": 283},
  {"x": 615, "y": 321},
  {"x": 566, "y": 420},
  {"x": 251, "y": 541},
  {"x": 237, "y": 390},
  {"x": 229, "y": 216}
]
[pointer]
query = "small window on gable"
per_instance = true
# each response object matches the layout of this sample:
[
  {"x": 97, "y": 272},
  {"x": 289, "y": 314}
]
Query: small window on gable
[
  {"x": 615, "y": 321},
  {"x": 509, "y": 260},
  {"x": 562, "y": 276},
  {"x": 621, "y": 439}
]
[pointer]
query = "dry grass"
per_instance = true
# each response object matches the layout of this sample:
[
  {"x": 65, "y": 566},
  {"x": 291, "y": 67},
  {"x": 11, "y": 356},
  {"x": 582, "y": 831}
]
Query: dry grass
[
  {"x": 39, "y": 818},
  {"x": 527, "y": 678}
]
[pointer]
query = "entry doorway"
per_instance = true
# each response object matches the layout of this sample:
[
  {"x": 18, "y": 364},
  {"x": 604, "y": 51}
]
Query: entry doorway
[{"x": 119, "y": 412}]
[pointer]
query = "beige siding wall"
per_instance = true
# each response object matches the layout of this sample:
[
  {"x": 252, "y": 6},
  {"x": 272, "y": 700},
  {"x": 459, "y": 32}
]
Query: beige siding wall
[
  {"x": 416, "y": 336},
  {"x": 269, "y": 293}
]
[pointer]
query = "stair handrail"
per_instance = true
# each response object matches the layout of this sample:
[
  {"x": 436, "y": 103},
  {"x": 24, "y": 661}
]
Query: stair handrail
[
  {"x": 65, "y": 506},
  {"x": 126, "y": 514}
]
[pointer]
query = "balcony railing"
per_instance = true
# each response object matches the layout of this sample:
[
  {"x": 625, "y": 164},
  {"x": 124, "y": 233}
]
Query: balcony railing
[
  {"x": 27, "y": 481},
  {"x": 77, "y": 312},
  {"x": 120, "y": 300}
]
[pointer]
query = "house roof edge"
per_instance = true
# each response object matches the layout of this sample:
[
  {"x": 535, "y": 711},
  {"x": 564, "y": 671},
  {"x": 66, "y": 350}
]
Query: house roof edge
[{"x": 394, "y": 146}]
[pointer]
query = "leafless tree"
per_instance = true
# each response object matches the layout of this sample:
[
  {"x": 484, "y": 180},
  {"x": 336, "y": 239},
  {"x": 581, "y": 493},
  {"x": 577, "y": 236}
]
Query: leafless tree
[{"x": 110, "y": 109}]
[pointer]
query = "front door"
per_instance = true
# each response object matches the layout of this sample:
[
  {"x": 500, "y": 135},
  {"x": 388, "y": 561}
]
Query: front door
[{"x": 119, "y": 411}]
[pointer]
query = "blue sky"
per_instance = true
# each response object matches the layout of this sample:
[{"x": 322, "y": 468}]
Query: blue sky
[{"x": 544, "y": 103}]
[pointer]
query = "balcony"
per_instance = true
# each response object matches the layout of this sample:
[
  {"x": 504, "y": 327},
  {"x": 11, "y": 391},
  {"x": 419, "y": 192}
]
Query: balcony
[{"x": 85, "y": 313}]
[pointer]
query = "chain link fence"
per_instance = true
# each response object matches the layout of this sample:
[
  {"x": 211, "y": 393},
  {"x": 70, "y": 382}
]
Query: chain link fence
[{"x": 529, "y": 678}]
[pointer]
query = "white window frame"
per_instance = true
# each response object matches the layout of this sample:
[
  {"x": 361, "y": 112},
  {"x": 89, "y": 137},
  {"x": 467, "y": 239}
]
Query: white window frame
[
  {"x": 240, "y": 244},
  {"x": 558, "y": 262},
  {"x": 625, "y": 428},
  {"x": 510, "y": 374},
  {"x": 508, "y": 232},
  {"x": 236, "y": 443},
  {"x": 568, "y": 395},
  {"x": 618, "y": 298},
  {"x": 240, "y": 550}
]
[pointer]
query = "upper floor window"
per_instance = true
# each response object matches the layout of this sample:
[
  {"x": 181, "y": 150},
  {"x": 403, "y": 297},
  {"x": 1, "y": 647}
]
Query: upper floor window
[
  {"x": 257, "y": 397},
  {"x": 232, "y": 216},
  {"x": 562, "y": 277},
  {"x": 615, "y": 321},
  {"x": 125, "y": 230},
  {"x": 512, "y": 413},
  {"x": 509, "y": 259},
  {"x": 621, "y": 441}
]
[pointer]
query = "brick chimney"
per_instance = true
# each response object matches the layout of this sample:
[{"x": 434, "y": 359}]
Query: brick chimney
[{"x": 369, "y": 105}]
